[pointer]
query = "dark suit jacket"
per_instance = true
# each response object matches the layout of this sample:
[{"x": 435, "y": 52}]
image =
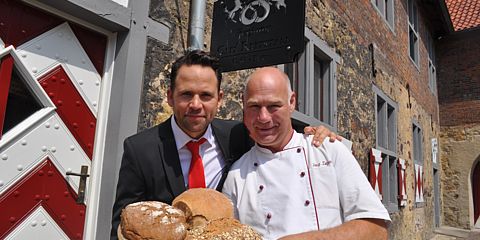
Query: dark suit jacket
[{"x": 151, "y": 168}]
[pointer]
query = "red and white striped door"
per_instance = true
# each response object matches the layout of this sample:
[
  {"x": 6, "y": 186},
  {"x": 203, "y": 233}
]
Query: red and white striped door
[{"x": 50, "y": 79}]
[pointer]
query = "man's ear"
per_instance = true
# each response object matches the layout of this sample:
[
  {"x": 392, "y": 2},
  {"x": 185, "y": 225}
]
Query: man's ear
[
  {"x": 170, "y": 98},
  {"x": 293, "y": 101},
  {"x": 220, "y": 97}
]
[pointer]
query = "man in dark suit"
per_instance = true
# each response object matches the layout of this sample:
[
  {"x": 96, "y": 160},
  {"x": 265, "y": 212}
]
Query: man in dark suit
[{"x": 156, "y": 163}]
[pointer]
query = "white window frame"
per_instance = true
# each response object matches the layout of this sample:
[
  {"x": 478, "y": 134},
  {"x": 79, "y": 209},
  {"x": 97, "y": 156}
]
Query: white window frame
[
  {"x": 308, "y": 110},
  {"x": 386, "y": 9},
  {"x": 413, "y": 44},
  {"x": 386, "y": 142}
]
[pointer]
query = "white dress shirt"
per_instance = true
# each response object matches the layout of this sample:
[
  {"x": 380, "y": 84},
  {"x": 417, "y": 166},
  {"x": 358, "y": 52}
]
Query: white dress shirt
[
  {"x": 300, "y": 189},
  {"x": 212, "y": 156}
]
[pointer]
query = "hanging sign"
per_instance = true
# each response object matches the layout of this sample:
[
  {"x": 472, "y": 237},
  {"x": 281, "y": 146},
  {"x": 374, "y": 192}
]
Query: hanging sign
[{"x": 248, "y": 34}]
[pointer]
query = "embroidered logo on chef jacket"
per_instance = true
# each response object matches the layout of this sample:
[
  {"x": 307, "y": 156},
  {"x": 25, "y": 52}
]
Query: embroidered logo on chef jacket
[
  {"x": 318, "y": 160},
  {"x": 321, "y": 163}
]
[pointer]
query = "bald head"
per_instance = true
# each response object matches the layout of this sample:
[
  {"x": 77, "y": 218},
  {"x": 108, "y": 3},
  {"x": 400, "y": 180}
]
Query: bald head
[
  {"x": 268, "y": 104},
  {"x": 271, "y": 73}
]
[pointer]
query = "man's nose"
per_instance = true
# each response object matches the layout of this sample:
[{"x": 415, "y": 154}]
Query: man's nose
[
  {"x": 196, "y": 102},
  {"x": 263, "y": 115}
]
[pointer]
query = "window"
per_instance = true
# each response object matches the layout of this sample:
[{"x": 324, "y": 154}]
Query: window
[
  {"x": 413, "y": 31},
  {"x": 417, "y": 145},
  {"x": 385, "y": 8},
  {"x": 386, "y": 135},
  {"x": 432, "y": 71},
  {"x": 418, "y": 161},
  {"x": 20, "y": 104},
  {"x": 313, "y": 79}
]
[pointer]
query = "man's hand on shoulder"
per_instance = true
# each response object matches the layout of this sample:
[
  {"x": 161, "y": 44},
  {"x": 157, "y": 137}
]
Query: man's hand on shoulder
[{"x": 320, "y": 133}]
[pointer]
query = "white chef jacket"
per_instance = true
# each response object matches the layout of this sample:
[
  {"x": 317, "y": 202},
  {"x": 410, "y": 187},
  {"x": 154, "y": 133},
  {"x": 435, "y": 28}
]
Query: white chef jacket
[{"x": 300, "y": 189}]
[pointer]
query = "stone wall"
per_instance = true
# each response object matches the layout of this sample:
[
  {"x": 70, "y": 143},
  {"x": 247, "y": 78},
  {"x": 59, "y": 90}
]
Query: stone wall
[{"x": 460, "y": 147}]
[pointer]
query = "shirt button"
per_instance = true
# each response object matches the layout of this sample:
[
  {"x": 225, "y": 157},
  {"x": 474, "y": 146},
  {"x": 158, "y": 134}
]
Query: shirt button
[
  {"x": 260, "y": 187},
  {"x": 299, "y": 150},
  {"x": 302, "y": 174},
  {"x": 255, "y": 164},
  {"x": 269, "y": 215},
  {"x": 307, "y": 202}
]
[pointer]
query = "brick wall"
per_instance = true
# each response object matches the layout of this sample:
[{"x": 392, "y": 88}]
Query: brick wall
[
  {"x": 459, "y": 78},
  {"x": 393, "y": 45}
]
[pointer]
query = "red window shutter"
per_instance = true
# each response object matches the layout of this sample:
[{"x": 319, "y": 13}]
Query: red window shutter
[
  {"x": 402, "y": 183},
  {"x": 375, "y": 173}
]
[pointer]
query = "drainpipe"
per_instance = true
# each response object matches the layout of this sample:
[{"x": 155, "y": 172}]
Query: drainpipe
[{"x": 196, "y": 25}]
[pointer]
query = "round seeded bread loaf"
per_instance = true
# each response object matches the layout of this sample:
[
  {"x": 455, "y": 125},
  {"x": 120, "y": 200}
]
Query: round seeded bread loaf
[
  {"x": 152, "y": 220},
  {"x": 201, "y": 205}
]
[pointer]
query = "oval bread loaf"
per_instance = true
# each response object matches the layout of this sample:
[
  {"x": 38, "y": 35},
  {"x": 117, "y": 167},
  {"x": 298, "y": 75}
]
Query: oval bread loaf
[
  {"x": 152, "y": 220},
  {"x": 201, "y": 205}
]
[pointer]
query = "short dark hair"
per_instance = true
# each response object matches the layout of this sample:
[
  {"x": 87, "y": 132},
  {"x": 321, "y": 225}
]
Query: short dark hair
[{"x": 196, "y": 57}]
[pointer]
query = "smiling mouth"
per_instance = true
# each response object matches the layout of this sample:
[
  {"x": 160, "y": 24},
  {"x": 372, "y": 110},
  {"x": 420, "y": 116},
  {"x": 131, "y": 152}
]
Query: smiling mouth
[
  {"x": 195, "y": 116},
  {"x": 266, "y": 129}
]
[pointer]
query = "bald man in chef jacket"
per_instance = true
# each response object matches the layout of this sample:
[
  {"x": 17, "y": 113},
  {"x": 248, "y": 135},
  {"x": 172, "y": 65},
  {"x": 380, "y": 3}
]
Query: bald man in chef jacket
[{"x": 286, "y": 188}]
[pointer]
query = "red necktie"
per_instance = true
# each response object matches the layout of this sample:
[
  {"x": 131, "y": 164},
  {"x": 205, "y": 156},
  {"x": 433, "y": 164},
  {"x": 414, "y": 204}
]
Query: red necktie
[{"x": 196, "y": 175}]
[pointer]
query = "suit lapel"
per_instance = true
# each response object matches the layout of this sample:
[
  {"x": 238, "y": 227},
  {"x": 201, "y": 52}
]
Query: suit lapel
[
  {"x": 223, "y": 139},
  {"x": 170, "y": 159}
]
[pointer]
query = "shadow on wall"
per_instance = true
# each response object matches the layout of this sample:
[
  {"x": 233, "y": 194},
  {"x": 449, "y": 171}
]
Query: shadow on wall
[{"x": 476, "y": 191}]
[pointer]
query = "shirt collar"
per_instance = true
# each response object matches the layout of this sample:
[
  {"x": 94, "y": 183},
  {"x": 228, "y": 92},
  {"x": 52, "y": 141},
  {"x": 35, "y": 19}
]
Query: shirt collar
[{"x": 181, "y": 138}]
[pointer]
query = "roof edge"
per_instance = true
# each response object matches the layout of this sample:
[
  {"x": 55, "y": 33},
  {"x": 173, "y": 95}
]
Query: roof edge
[{"x": 446, "y": 16}]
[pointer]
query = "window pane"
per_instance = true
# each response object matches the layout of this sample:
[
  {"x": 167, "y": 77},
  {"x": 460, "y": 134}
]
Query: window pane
[
  {"x": 410, "y": 11},
  {"x": 411, "y": 37},
  {"x": 417, "y": 145},
  {"x": 381, "y": 123},
  {"x": 389, "y": 11},
  {"x": 413, "y": 45},
  {"x": 391, "y": 129},
  {"x": 321, "y": 84},
  {"x": 392, "y": 175},
  {"x": 21, "y": 103},
  {"x": 296, "y": 73},
  {"x": 318, "y": 86},
  {"x": 381, "y": 6},
  {"x": 290, "y": 70},
  {"x": 419, "y": 148},
  {"x": 385, "y": 179},
  {"x": 415, "y": 16}
]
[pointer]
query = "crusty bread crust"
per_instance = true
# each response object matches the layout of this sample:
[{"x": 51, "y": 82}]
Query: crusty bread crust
[
  {"x": 201, "y": 205},
  {"x": 152, "y": 220}
]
